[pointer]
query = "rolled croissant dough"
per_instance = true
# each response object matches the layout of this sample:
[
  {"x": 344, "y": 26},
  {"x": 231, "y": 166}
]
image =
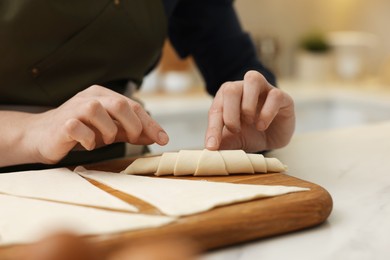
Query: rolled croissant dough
[{"x": 205, "y": 162}]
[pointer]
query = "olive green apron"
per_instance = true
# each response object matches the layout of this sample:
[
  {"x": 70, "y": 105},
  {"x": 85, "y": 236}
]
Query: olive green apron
[{"x": 50, "y": 50}]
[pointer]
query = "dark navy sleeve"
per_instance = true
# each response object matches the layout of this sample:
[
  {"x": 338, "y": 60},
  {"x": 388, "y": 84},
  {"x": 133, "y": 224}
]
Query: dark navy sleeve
[{"x": 210, "y": 31}]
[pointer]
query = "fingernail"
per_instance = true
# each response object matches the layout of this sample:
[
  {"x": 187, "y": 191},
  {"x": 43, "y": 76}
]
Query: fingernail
[
  {"x": 163, "y": 137},
  {"x": 211, "y": 142}
]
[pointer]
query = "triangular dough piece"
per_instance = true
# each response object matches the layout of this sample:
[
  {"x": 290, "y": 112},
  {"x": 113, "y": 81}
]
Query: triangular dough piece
[
  {"x": 187, "y": 161},
  {"x": 143, "y": 166},
  {"x": 167, "y": 164},
  {"x": 210, "y": 163},
  {"x": 184, "y": 197},
  {"x": 60, "y": 184},
  {"x": 26, "y": 220},
  {"x": 237, "y": 161},
  {"x": 274, "y": 165},
  {"x": 258, "y": 162}
]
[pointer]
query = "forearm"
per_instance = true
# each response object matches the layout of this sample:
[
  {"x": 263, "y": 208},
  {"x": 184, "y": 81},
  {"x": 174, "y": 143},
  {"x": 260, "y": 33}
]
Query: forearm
[
  {"x": 15, "y": 146},
  {"x": 93, "y": 118}
]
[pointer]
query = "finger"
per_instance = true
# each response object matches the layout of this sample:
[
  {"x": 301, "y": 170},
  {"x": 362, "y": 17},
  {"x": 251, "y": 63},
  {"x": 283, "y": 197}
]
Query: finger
[
  {"x": 138, "y": 121},
  {"x": 270, "y": 109},
  {"x": 97, "y": 116},
  {"x": 144, "y": 140},
  {"x": 141, "y": 140},
  {"x": 121, "y": 110},
  {"x": 215, "y": 124},
  {"x": 150, "y": 127},
  {"x": 117, "y": 107},
  {"x": 254, "y": 85},
  {"x": 232, "y": 94},
  {"x": 79, "y": 132}
]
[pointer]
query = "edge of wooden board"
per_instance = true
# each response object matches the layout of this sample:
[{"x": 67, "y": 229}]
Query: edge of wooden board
[{"x": 246, "y": 221}]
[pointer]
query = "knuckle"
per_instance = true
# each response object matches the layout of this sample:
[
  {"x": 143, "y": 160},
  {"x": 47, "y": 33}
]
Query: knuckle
[
  {"x": 289, "y": 100},
  {"x": 214, "y": 110},
  {"x": 137, "y": 107},
  {"x": 92, "y": 106},
  {"x": 151, "y": 124},
  {"x": 254, "y": 76},
  {"x": 230, "y": 123},
  {"x": 94, "y": 87},
  {"x": 277, "y": 94},
  {"x": 120, "y": 105},
  {"x": 226, "y": 84},
  {"x": 231, "y": 89},
  {"x": 71, "y": 125}
]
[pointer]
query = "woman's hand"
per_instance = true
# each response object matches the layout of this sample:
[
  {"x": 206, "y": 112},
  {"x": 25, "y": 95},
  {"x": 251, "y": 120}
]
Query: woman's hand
[
  {"x": 94, "y": 117},
  {"x": 251, "y": 115}
]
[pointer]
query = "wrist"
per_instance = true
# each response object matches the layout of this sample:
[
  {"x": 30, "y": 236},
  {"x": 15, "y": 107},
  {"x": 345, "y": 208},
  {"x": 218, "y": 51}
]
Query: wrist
[{"x": 17, "y": 146}]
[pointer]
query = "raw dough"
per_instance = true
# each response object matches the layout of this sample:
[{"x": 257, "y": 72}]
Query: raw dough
[
  {"x": 205, "y": 162},
  {"x": 26, "y": 220},
  {"x": 176, "y": 197},
  {"x": 166, "y": 164},
  {"x": 237, "y": 161},
  {"x": 209, "y": 162},
  {"x": 187, "y": 161},
  {"x": 62, "y": 185}
]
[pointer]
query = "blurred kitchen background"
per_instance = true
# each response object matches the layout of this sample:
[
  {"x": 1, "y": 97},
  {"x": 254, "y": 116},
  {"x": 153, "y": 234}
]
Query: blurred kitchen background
[{"x": 331, "y": 56}]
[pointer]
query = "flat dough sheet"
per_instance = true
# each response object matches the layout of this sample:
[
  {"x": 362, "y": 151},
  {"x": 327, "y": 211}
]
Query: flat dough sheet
[
  {"x": 184, "y": 197},
  {"x": 26, "y": 220},
  {"x": 60, "y": 184}
]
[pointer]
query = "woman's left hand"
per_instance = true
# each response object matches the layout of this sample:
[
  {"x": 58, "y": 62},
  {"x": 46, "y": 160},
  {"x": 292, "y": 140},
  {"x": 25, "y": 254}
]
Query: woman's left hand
[{"x": 251, "y": 115}]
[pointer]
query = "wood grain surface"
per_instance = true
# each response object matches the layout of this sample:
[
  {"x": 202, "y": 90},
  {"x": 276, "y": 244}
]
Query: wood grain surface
[{"x": 225, "y": 225}]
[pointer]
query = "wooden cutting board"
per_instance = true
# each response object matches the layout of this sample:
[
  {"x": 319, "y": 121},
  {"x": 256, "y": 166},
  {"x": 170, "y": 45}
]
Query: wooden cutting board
[
  {"x": 236, "y": 223},
  {"x": 232, "y": 224}
]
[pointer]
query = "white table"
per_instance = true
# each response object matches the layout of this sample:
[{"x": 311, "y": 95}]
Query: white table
[{"x": 353, "y": 164}]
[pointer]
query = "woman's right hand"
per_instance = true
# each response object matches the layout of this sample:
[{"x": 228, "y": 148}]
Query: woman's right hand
[{"x": 92, "y": 118}]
